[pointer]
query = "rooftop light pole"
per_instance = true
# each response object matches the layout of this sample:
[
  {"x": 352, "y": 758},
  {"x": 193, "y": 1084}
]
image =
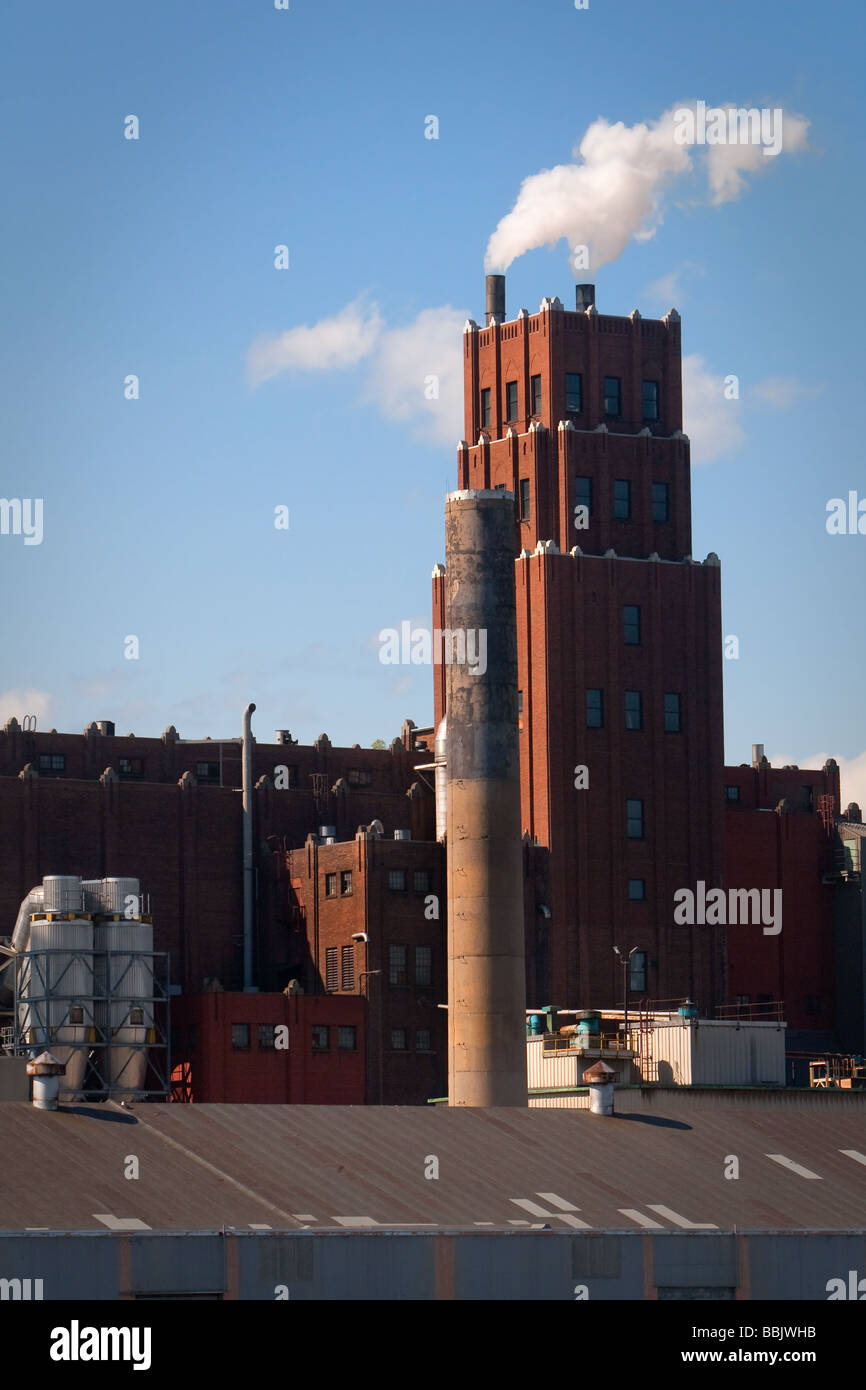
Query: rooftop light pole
[{"x": 624, "y": 962}]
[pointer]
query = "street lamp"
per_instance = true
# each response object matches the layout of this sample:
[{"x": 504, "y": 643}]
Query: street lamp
[
  {"x": 624, "y": 962},
  {"x": 365, "y": 974}
]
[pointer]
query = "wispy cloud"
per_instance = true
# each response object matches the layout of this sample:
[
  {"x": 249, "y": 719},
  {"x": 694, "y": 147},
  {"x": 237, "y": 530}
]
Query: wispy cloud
[
  {"x": 413, "y": 373},
  {"x": 782, "y": 392},
  {"x": 712, "y": 422}
]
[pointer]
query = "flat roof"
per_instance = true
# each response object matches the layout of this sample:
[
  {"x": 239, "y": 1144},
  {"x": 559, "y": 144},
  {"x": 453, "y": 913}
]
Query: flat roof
[{"x": 659, "y": 1164}]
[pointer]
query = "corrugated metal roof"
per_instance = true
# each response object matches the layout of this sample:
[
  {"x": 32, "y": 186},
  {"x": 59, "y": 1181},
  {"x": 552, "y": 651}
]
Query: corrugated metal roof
[{"x": 660, "y": 1162}]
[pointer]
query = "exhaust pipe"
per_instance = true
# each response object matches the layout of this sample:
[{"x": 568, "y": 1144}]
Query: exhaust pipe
[{"x": 249, "y": 882}]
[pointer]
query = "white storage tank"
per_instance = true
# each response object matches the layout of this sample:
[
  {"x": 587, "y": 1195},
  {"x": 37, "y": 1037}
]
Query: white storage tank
[
  {"x": 55, "y": 987},
  {"x": 62, "y": 893},
  {"x": 125, "y": 1016}
]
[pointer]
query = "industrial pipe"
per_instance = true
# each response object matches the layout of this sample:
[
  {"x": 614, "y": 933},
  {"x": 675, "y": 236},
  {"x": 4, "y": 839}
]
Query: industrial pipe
[{"x": 249, "y": 867}]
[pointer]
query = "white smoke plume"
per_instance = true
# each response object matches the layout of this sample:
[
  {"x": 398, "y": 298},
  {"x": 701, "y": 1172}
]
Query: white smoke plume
[{"x": 614, "y": 191}]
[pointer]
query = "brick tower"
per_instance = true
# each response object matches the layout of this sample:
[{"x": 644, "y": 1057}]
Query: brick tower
[{"x": 579, "y": 414}]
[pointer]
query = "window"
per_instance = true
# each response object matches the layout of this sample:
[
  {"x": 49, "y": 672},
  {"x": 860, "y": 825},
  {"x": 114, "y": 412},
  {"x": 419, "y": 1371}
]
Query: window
[
  {"x": 346, "y": 883},
  {"x": 398, "y": 1039},
  {"x": 650, "y": 400},
  {"x": 511, "y": 400},
  {"x": 423, "y": 1040},
  {"x": 573, "y": 392},
  {"x": 612, "y": 395},
  {"x": 535, "y": 395},
  {"x": 267, "y": 1035},
  {"x": 743, "y": 999},
  {"x": 595, "y": 709},
  {"x": 347, "y": 1038},
  {"x": 637, "y": 972},
  {"x": 240, "y": 1037},
  {"x": 331, "y": 969},
  {"x": 421, "y": 880},
  {"x": 397, "y": 965},
  {"x": 808, "y": 798},
  {"x": 631, "y": 625},
  {"x": 330, "y": 885},
  {"x": 851, "y": 851},
  {"x": 813, "y": 1004},
  {"x": 622, "y": 500},
  {"x": 130, "y": 767},
  {"x": 423, "y": 965},
  {"x": 661, "y": 504},
  {"x": 583, "y": 493},
  {"x": 732, "y": 793},
  {"x": 637, "y": 890},
  {"x": 673, "y": 717},
  {"x": 634, "y": 820},
  {"x": 347, "y": 967},
  {"x": 396, "y": 880},
  {"x": 520, "y": 702},
  {"x": 321, "y": 1037},
  {"x": 359, "y": 777},
  {"x": 52, "y": 762},
  {"x": 485, "y": 408},
  {"x": 524, "y": 499},
  {"x": 207, "y": 772},
  {"x": 633, "y": 709}
]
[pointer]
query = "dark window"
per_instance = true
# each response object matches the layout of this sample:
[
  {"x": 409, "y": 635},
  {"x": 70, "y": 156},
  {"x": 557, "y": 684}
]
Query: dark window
[
  {"x": 631, "y": 625},
  {"x": 511, "y": 400},
  {"x": 622, "y": 500},
  {"x": 423, "y": 1040},
  {"x": 240, "y": 1037},
  {"x": 673, "y": 715},
  {"x": 347, "y": 967},
  {"x": 321, "y": 1037},
  {"x": 633, "y": 709},
  {"x": 661, "y": 504},
  {"x": 330, "y": 885},
  {"x": 398, "y": 1039},
  {"x": 520, "y": 702},
  {"x": 637, "y": 890},
  {"x": 485, "y": 408},
  {"x": 813, "y": 1004},
  {"x": 397, "y": 880},
  {"x": 397, "y": 965},
  {"x": 359, "y": 777},
  {"x": 52, "y": 762},
  {"x": 595, "y": 709},
  {"x": 637, "y": 972},
  {"x": 331, "y": 968},
  {"x": 207, "y": 772},
  {"x": 808, "y": 798},
  {"x": 583, "y": 493},
  {"x": 743, "y": 999},
  {"x": 650, "y": 400},
  {"x": 130, "y": 767},
  {"x": 535, "y": 394},
  {"x": 634, "y": 820},
  {"x": 347, "y": 1037},
  {"x": 612, "y": 395},
  {"x": 524, "y": 499},
  {"x": 732, "y": 793},
  {"x": 421, "y": 880},
  {"x": 267, "y": 1032},
  {"x": 345, "y": 883},
  {"x": 573, "y": 392},
  {"x": 423, "y": 965},
  {"x": 192, "y": 1038}
]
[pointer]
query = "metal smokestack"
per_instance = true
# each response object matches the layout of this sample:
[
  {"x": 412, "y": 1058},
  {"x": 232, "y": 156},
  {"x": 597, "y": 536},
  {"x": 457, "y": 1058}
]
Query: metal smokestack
[
  {"x": 248, "y": 862},
  {"x": 495, "y": 299},
  {"x": 584, "y": 296},
  {"x": 486, "y": 968}
]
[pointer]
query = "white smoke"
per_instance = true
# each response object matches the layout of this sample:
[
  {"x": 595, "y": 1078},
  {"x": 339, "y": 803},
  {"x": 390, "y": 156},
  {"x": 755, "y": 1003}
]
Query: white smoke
[{"x": 614, "y": 191}]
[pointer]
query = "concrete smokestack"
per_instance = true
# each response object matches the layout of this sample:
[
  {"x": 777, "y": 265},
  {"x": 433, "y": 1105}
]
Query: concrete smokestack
[
  {"x": 495, "y": 299},
  {"x": 486, "y": 979},
  {"x": 584, "y": 296}
]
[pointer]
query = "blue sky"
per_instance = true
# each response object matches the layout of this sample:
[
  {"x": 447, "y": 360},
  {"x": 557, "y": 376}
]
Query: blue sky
[{"x": 306, "y": 128}]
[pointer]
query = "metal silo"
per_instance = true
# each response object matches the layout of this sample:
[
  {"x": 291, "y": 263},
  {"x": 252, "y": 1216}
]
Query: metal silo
[{"x": 55, "y": 978}]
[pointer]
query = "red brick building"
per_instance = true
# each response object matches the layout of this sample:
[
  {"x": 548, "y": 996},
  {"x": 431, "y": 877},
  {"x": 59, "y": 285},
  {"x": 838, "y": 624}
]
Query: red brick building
[
  {"x": 619, "y": 640},
  {"x": 269, "y": 1049}
]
